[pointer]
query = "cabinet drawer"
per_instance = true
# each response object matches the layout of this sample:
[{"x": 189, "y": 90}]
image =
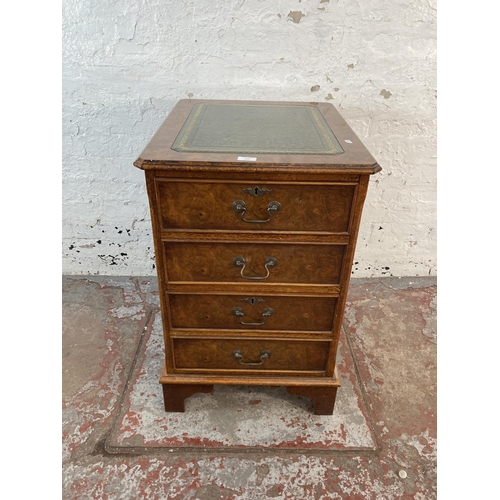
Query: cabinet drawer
[
  {"x": 253, "y": 263},
  {"x": 288, "y": 313},
  {"x": 259, "y": 355},
  {"x": 233, "y": 206}
]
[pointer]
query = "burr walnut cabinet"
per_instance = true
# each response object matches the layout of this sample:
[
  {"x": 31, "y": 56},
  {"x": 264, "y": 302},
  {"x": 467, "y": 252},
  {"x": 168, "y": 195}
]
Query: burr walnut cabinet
[{"x": 255, "y": 208}]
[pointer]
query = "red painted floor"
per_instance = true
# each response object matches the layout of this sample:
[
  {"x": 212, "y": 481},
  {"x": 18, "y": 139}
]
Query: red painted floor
[{"x": 242, "y": 443}]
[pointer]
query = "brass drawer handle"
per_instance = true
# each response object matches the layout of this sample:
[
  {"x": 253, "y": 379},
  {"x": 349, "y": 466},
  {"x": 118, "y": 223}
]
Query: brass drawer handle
[
  {"x": 240, "y": 207},
  {"x": 263, "y": 356},
  {"x": 240, "y": 262},
  {"x": 238, "y": 312}
]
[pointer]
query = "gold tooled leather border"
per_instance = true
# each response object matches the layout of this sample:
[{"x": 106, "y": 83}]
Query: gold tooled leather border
[{"x": 181, "y": 143}]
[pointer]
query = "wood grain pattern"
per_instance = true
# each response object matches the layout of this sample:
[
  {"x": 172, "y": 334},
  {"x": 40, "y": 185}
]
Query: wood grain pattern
[
  {"x": 229, "y": 236},
  {"x": 208, "y": 205},
  {"x": 290, "y": 313},
  {"x": 197, "y": 235},
  {"x": 249, "y": 173},
  {"x": 214, "y": 262},
  {"x": 347, "y": 266},
  {"x": 249, "y": 332},
  {"x": 211, "y": 355},
  {"x": 257, "y": 287},
  {"x": 160, "y": 262}
]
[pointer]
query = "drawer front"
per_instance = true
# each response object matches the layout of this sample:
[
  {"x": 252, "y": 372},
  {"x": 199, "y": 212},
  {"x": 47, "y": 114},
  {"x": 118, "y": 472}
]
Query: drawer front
[
  {"x": 236, "y": 206},
  {"x": 253, "y": 263},
  {"x": 256, "y": 355},
  {"x": 289, "y": 313}
]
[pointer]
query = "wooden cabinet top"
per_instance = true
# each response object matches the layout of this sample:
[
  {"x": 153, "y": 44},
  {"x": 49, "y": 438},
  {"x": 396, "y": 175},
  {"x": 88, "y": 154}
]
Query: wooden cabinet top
[{"x": 250, "y": 135}]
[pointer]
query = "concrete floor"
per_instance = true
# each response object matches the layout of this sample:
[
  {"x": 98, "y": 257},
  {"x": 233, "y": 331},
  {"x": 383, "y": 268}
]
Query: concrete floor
[{"x": 248, "y": 444}]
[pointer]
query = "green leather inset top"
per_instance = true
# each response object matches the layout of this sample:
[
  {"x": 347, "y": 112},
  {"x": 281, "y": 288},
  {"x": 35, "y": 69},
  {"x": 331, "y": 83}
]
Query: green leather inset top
[{"x": 256, "y": 129}]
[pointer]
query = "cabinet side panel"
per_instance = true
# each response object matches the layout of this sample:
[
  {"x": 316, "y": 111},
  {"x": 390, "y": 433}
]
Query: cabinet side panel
[
  {"x": 160, "y": 265},
  {"x": 345, "y": 275}
]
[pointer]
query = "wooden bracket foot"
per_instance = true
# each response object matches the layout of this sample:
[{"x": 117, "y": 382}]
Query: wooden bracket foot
[
  {"x": 174, "y": 395},
  {"x": 322, "y": 397}
]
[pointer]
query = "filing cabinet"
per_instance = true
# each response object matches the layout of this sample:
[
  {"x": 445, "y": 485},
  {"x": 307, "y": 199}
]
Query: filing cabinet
[{"x": 255, "y": 209}]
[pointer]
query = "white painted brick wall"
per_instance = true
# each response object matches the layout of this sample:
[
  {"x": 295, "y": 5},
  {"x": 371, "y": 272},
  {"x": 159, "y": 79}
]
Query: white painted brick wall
[{"x": 127, "y": 62}]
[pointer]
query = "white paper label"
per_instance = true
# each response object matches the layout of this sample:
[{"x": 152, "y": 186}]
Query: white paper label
[{"x": 246, "y": 158}]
